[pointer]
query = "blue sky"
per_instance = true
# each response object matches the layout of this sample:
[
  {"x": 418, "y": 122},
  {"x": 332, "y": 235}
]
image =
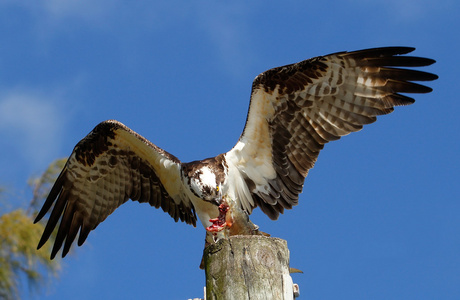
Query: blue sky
[{"x": 378, "y": 218}]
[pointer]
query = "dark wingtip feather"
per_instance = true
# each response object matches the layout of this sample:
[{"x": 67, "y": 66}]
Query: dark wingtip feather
[
  {"x": 54, "y": 218},
  {"x": 84, "y": 232},
  {"x": 429, "y": 61},
  {"x": 54, "y": 252},
  {"x": 52, "y": 196},
  {"x": 60, "y": 238},
  {"x": 72, "y": 233},
  {"x": 380, "y": 51},
  {"x": 42, "y": 242},
  {"x": 407, "y": 87}
]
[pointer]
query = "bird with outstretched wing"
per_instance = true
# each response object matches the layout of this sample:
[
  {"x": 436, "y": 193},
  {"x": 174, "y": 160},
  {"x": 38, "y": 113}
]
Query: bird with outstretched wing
[{"x": 294, "y": 111}]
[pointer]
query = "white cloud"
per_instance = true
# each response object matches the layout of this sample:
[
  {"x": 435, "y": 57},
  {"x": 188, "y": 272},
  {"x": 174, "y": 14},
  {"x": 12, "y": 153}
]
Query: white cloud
[{"x": 31, "y": 126}]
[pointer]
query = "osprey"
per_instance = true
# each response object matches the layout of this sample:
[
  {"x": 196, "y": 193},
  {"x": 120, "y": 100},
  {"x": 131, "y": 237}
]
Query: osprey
[{"x": 294, "y": 111}]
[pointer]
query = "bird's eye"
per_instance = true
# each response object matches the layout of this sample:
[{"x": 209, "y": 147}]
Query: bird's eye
[{"x": 217, "y": 188}]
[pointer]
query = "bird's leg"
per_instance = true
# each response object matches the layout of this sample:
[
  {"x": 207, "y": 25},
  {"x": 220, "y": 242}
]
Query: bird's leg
[{"x": 220, "y": 222}]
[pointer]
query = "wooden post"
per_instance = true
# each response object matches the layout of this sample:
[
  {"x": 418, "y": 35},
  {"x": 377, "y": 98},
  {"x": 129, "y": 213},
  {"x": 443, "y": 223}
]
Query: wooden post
[{"x": 248, "y": 267}]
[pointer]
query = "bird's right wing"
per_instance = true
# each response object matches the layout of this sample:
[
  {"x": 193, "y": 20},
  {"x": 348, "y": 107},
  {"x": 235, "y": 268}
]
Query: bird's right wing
[
  {"x": 109, "y": 166},
  {"x": 296, "y": 109}
]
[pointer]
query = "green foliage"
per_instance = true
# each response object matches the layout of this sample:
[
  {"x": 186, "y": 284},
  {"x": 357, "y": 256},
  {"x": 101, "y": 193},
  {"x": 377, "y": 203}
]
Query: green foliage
[{"x": 19, "y": 257}]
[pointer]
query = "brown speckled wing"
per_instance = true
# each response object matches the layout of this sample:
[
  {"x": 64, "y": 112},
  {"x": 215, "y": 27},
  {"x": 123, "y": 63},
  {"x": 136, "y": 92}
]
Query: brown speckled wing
[
  {"x": 109, "y": 166},
  {"x": 296, "y": 109}
]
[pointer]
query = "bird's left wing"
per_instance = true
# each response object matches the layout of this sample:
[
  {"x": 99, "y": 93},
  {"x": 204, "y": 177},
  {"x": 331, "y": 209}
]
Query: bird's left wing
[
  {"x": 109, "y": 166},
  {"x": 296, "y": 109}
]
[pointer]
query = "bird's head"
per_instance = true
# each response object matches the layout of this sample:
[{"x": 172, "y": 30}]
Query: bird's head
[{"x": 204, "y": 184}]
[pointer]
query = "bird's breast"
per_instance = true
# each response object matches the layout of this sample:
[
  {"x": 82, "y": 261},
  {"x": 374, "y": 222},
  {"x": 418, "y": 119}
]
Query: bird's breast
[{"x": 205, "y": 210}]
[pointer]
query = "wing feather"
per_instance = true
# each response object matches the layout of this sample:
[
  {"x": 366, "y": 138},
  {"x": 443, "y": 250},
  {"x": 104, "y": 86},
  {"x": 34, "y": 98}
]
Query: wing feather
[
  {"x": 109, "y": 166},
  {"x": 296, "y": 109}
]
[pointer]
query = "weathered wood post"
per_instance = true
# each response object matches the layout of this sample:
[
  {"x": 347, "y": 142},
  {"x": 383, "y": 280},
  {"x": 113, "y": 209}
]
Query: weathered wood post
[{"x": 248, "y": 267}]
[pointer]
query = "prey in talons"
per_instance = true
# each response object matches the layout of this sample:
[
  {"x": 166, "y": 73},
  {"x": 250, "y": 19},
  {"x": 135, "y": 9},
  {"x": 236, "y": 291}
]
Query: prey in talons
[
  {"x": 219, "y": 223},
  {"x": 232, "y": 220}
]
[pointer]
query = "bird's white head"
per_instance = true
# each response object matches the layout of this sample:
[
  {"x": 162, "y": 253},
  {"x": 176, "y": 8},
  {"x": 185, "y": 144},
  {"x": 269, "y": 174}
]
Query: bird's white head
[{"x": 204, "y": 184}]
